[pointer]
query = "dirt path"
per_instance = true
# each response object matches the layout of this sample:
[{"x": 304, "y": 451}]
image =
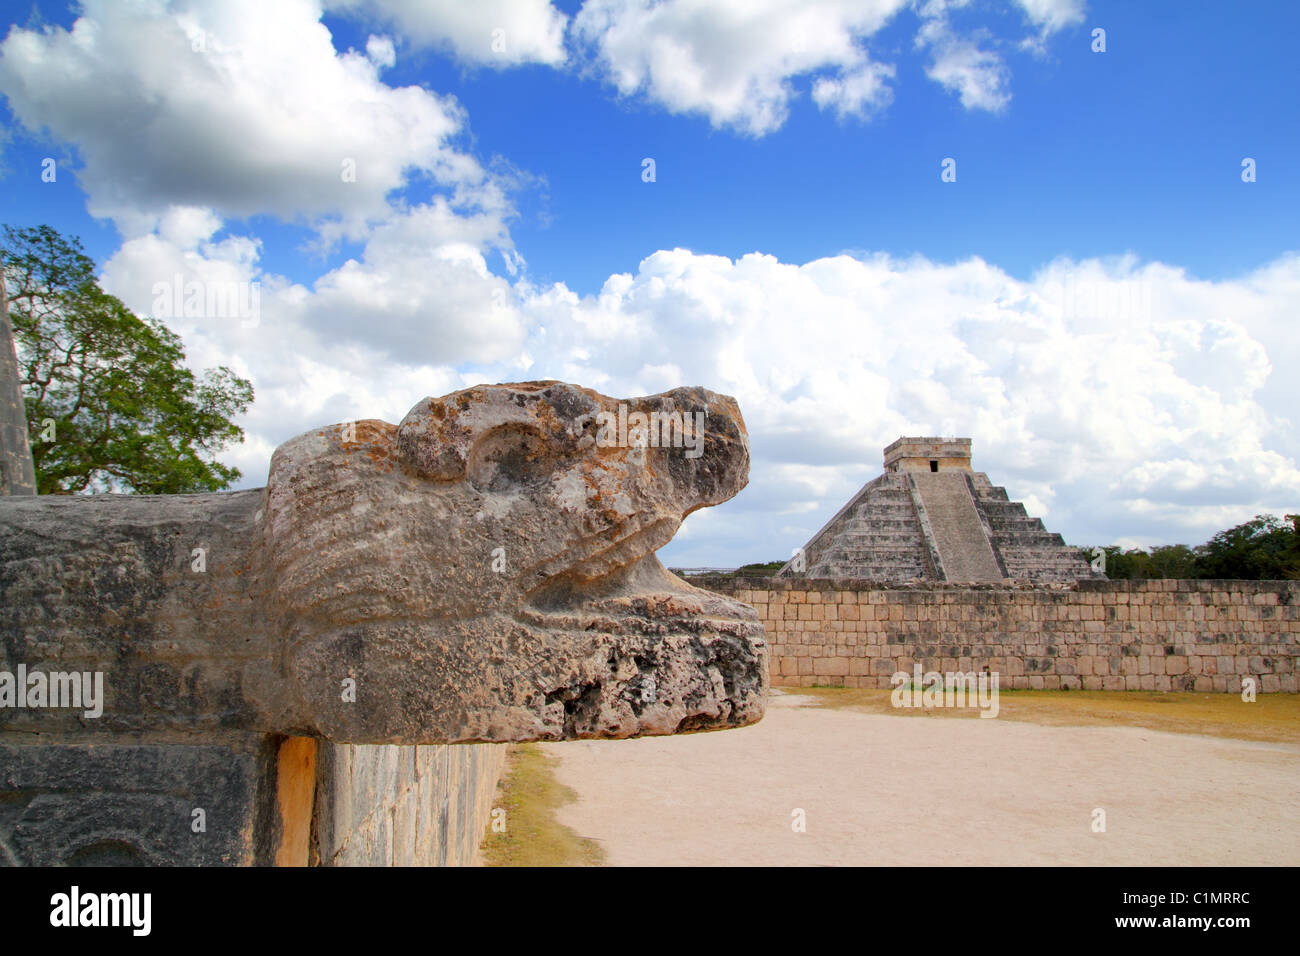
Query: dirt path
[{"x": 890, "y": 790}]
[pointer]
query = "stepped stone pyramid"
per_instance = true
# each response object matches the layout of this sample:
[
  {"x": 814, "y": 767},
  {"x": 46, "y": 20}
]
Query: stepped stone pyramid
[{"x": 930, "y": 518}]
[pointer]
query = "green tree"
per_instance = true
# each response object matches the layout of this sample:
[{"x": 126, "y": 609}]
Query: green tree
[
  {"x": 1134, "y": 564},
  {"x": 1265, "y": 547},
  {"x": 1172, "y": 561},
  {"x": 125, "y": 413}
]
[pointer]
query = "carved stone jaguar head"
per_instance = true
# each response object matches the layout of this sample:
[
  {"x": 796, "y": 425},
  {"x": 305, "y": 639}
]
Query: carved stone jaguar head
[{"x": 485, "y": 570}]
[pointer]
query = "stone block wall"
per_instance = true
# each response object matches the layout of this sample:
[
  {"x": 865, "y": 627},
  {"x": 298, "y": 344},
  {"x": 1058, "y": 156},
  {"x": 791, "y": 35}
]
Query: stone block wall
[
  {"x": 265, "y": 801},
  {"x": 426, "y": 805},
  {"x": 132, "y": 804},
  {"x": 1090, "y": 634}
]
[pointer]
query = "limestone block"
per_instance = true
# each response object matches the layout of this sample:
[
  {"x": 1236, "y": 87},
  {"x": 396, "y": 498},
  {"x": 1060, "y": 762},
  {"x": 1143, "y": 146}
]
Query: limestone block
[{"x": 130, "y": 805}]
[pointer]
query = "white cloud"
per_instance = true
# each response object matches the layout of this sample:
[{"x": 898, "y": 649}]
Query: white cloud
[
  {"x": 482, "y": 32},
  {"x": 962, "y": 64},
  {"x": 1050, "y": 16},
  {"x": 240, "y": 106},
  {"x": 860, "y": 93},
  {"x": 380, "y": 51},
  {"x": 978, "y": 76},
  {"x": 420, "y": 292},
  {"x": 733, "y": 60},
  {"x": 968, "y": 62},
  {"x": 736, "y": 61}
]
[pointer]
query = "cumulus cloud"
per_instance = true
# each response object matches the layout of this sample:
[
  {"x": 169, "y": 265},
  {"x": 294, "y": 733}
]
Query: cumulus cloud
[
  {"x": 736, "y": 61},
  {"x": 381, "y": 51},
  {"x": 241, "y": 106},
  {"x": 496, "y": 33},
  {"x": 861, "y": 92},
  {"x": 421, "y": 288},
  {"x": 419, "y": 293},
  {"x": 1048, "y": 17},
  {"x": 969, "y": 64},
  {"x": 978, "y": 76},
  {"x": 733, "y": 60},
  {"x": 962, "y": 63}
]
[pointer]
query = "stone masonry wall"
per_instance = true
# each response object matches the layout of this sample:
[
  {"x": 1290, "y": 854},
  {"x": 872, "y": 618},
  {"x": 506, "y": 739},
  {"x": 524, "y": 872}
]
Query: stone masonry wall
[
  {"x": 426, "y": 805},
  {"x": 1091, "y": 635}
]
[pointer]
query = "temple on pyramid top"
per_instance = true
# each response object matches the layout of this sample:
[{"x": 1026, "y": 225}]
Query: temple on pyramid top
[
  {"x": 928, "y": 454},
  {"x": 930, "y": 517}
]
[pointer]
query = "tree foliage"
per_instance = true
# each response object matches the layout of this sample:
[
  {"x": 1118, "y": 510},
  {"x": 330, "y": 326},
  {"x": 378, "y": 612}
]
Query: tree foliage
[
  {"x": 110, "y": 403},
  {"x": 1264, "y": 548}
]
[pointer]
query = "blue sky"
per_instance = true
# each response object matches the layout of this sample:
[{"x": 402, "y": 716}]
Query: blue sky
[{"x": 797, "y": 248}]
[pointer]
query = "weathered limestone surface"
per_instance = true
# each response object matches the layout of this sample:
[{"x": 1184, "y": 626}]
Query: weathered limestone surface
[
  {"x": 322, "y": 666},
  {"x": 134, "y": 804},
  {"x": 404, "y": 806},
  {"x": 484, "y": 571}
]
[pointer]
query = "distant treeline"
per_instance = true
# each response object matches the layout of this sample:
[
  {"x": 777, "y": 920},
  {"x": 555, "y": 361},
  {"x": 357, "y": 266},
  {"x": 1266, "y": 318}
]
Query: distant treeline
[
  {"x": 1264, "y": 548},
  {"x": 761, "y": 570}
]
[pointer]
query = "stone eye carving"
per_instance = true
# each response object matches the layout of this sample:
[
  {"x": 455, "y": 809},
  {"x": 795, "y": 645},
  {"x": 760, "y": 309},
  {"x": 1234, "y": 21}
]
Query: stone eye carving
[{"x": 508, "y": 457}]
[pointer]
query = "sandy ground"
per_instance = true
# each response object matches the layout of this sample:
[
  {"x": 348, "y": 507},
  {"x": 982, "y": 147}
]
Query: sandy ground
[{"x": 886, "y": 790}]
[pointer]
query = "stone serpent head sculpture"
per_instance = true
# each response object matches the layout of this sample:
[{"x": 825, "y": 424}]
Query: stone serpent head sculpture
[{"x": 484, "y": 570}]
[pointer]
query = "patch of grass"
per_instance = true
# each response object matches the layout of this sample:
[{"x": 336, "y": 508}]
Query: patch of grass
[
  {"x": 529, "y": 793},
  {"x": 1272, "y": 717}
]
